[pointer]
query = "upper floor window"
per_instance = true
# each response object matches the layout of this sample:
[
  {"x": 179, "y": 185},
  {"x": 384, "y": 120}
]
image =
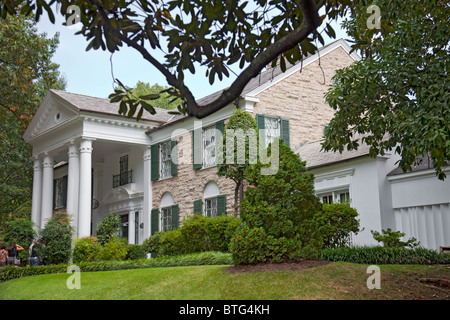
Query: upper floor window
[
  {"x": 166, "y": 160},
  {"x": 163, "y": 164},
  {"x": 125, "y": 176},
  {"x": 272, "y": 128},
  {"x": 209, "y": 146}
]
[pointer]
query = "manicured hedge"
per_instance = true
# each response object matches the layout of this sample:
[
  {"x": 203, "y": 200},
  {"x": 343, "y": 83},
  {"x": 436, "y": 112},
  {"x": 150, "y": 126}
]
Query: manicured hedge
[
  {"x": 204, "y": 258},
  {"x": 384, "y": 255}
]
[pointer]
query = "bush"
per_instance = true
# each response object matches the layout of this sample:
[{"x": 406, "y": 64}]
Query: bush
[
  {"x": 85, "y": 249},
  {"x": 108, "y": 228},
  {"x": 20, "y": 232},
  {"x": 384, "y": 255},
  {"x": 55, "y": 241},
  {"x": 391, "y": 239},
  {"x": 197, "y": 234},
  {"x": 136, "y": 251},
  {"x": 251, "y": 246},
  {"x": 336, "y": 222},
  {"x": 115, "y": 249}
]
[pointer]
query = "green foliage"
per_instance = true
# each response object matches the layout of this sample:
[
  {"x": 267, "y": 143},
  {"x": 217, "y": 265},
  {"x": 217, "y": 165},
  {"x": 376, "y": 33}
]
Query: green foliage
[
  {"x": 336, "y": 222},
  {"x": 282, "y": 205},
  {"x": 55, "y": 242},
  {"x": 108, "y": 228},
  {"x": 20, "y": 232},
  {"x": 196, "y": 234},
  {"x": 243, "y": 126},
  {"x": 136, "y": 251},
  {"x": 398, "y": 95},
  {"x": 384, "y": 255},
  {"x": 85, "y": 249},
  {"x": 204, "y": 258},
  {"x": 114, "y": 249},
  {"x": 392, "y": 239},
  {"x": 251, "y": 246},
  {"x": 26, "y": 74}
]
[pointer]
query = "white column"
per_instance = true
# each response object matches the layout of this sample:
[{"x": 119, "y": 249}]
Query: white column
[
  {"x": 147, "y": 205},
  {"x": 37, "y": 192},
  {"x": 131, "y": 228},
  {"x": 85, "y": 187},
  {"x": 47, "y": 189},
  {"x": 73, "y": 181}
]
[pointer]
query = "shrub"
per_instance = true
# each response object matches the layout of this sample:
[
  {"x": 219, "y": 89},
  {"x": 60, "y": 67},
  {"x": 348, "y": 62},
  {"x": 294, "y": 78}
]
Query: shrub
[
  {"x": 384, "y": 255},
  {"x": 55, "y": 242},
  {"x": 336, "y": 222},
  {"x": 282, "y": 204},
  {"x": 391, "y": 239},
  {"x": 108, "y": 228},
  {"x": 20, "y": 232},
  {"x": 115, "y": 249},
  {"x": 197, "y": 234},
  {"x": 135, "y": 251},
  {"x": 254, "y": 245},
  {"x": 85, "y": 249}
]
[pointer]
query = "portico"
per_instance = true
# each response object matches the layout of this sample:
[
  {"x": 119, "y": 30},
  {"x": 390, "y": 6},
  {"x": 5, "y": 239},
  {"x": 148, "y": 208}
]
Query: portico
[{"x": 90, "y": 141}]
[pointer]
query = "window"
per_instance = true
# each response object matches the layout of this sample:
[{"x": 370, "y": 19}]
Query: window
[
  {"x": 59, "y": 192},
  {"x": 340, "y": 196},
  {"x": 166, "y": 160},
  {"x": 166, "y": 219},
  {"x": 211, "y": 207},
  {"x": 213, "y": 203},
  {"x": 273, "y": 128},
  {"x": 162, "y": 164},
  {"x": 125, "y": 176},
  {"x": 204, "y": 145},
  {"x": 209, "y": 146}
]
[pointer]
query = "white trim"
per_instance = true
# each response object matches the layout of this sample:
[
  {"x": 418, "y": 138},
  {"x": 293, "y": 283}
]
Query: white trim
[
  {"x": 422, "y": 174},
  {"x": 341, "y": 43}
]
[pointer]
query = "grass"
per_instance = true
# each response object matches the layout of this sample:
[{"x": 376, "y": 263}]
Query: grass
[{"x": 338, "y": 280}]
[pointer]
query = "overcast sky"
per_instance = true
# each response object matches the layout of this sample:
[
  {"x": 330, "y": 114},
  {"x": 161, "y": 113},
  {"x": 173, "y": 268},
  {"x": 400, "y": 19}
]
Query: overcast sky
[{"x": 90, "y": 73}]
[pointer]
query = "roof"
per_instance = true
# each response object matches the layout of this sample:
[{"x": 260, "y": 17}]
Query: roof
[
  {"x": 423, "y": 163},
  {"x": 315, "y": 157},
  {"x": 102, "y": 105}
]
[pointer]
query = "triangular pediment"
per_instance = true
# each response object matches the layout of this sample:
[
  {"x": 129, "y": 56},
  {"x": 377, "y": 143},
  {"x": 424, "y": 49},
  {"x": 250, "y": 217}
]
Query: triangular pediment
[{"x": 52, "y": 113}]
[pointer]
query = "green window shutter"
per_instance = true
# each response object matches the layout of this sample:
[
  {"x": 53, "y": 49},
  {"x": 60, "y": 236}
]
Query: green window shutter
[
  {"x": 325, "y": 130},
  {"x": 155, "y": 162},
  {"x": 154, "y": 219},
  {"x": 173, "y": 168},
  {"x": 285, "y": 131},
  {"x": 64, "y": 191},
  {"x": 260, "y": 122},
  {"x": 221, "y": 205},
  {"x": 220, "y": 125},
  {"x": 175, "y": 216},
  {"x": 198, "y": 207},
  {"x": 197, "y": 149}
]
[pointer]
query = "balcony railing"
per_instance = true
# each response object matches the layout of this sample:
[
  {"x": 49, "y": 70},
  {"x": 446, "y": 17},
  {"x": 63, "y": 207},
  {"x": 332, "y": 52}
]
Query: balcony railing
[{"x": 122, "y": 179}]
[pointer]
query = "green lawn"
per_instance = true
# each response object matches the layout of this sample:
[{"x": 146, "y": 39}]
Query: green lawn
[{"x": 332, "y": 281}]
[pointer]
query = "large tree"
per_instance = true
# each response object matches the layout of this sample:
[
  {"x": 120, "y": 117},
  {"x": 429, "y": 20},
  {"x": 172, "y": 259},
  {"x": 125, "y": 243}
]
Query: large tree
[
  {"x": 194, "y": 34},
  {"x": 398, "y": 95},
  {"x": 26, "y": 74}
]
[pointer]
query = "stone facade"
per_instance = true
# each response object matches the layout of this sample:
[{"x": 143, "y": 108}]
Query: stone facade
[{"x": 298, "y": 97}]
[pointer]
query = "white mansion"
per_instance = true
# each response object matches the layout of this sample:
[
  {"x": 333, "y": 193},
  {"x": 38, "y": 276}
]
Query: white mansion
[{"x": 91, "y": 162}]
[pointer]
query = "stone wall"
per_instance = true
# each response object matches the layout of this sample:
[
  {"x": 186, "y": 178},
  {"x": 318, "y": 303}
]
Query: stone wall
[{"x": 300, "y": 98}]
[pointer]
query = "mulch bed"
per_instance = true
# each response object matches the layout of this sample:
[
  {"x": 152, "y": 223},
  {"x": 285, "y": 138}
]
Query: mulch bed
[{"x": 290, "y": 265}]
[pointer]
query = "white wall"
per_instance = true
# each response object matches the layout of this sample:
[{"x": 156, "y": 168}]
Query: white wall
[{"x": 422, "y": 207}]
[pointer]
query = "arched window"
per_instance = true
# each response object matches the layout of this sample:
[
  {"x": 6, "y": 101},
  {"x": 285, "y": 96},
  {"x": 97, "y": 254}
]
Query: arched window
[
  {"x": 169, "y": 213},
  {"x": 212, "y": 203}
]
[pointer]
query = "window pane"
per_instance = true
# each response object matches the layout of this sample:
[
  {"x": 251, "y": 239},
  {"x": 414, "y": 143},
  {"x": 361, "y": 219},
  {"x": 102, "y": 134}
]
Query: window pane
[
  {"x": 209, "y": 146},
  {"x": 166, "y": 160},
  {"x": 166, "y": 219},
  {"x": 272, "y": 129},
  {"x": 211, "y": 207}
]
